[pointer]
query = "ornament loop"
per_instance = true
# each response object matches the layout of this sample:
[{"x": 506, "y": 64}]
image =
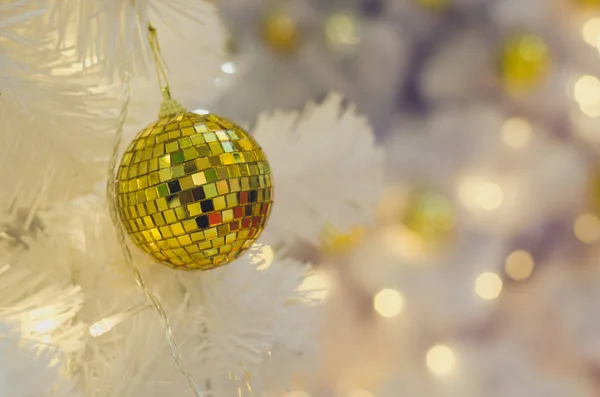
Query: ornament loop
[
  {"x": 158, "y": 63},
  {"x": 169, "y": 107}
]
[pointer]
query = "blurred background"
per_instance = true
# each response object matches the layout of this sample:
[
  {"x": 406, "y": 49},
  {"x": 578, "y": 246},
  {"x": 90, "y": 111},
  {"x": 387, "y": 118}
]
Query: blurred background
[{"x": 480, "y": 276}]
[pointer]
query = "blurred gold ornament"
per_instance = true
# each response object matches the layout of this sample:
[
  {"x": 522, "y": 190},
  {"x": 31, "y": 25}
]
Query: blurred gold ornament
[
  {"x": 587, "y": 3},
  {"x": 231, "y": 46},
  {"x": 342, "y": 32},
  {"x": 192, "y": 190},
  {"x": 594, "y": 190},
  {"x": 525, "y": 62},
  {"x": 430, "y": 215},
  {"x": 388, "y": 302},
  {"x": 280, "y": 33},
  {"x": 433, "y": 5},
  {"x": 441, "y": 360},
  {"x": 334, "y": 241}
]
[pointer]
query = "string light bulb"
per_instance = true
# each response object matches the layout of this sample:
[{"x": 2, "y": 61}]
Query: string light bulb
[
  {"x": 441, "y": 360},
  {"x": 587, "y": 228},
  {"x": 590, "y": 31},
  {"x": 587, "y": 90},
  {"x": 106, "y": 324},
  {"x": 360, "y": 393},
  {"x": 263, "y": 256},
  {"x": 519, "y": 265},
  {"x": 587, "y": 3},
  {"x": 228, "y": 68},
  {"x": 516, "y": 132},
  {"x": 488, "y": 286},
  {"x": 388, "y": 303},
  {"x": 316, "y": 285},
  {"x": 477, "y": 193}
]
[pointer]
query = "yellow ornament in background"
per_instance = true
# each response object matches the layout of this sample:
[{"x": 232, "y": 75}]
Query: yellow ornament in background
[
  {"x": 587, "y": 3},
  {"x": 335, "y": 242},
  {"x": 594, "y": 191},
  {"x": 194, "y": 191},
  {"x": 280, "y": 33},
  {"x": 231, "y": 46},
  {"x": 430, "y": 215},
  {"x": 433, "y": 5},
  {"x": 525, "y": 62},
  {"x": 342, "y": 32}
]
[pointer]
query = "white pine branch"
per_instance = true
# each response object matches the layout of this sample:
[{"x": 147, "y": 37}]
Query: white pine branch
[
  {"x": 113, "y": 33},
  {"x": 30, "y": 369},
  {"x": 327, "y": 169},
  {"x": 43, "y": 310}
]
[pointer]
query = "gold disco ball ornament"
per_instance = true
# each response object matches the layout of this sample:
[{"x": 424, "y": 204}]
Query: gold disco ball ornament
[{"x": 194, "y": 191}]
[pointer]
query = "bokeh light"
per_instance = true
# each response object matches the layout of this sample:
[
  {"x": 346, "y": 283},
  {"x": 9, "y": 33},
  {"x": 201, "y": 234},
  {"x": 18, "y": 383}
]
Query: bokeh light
[
  {"x": 587, "y": 228},
  {"x": 587, "y": 90},
  {"x": 476, "y": 193},
  {"x": 441, "y": 360},
  {"x": 316, "y": 285},
  {"x": 388, "y": 303},
  {"x": 489, "y": 196},
  {"x": 228, "y": 68},
  {"x": 590, "y": 31},
  {"x": 519, "y": 265},
  {"x": 488, "y": 286},
  {"x": 263, "y": 256},
  {"x": 360, "y": 393},
  {"x": 516, "y": 132}
]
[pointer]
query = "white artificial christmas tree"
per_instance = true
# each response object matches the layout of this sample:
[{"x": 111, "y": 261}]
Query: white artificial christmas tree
[
  {"x": 75, "y": 322},
  {"x": 464, "y": 263}
]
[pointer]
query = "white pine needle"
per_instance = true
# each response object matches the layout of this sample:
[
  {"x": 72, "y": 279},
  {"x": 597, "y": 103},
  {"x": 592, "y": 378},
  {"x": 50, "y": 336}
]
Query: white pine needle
[
  {"x": 327, "y": 169},
  {"x": 113, "y": 33},
  {"x": 43, "y": 307},
  {"x": 30, "y": 369}
]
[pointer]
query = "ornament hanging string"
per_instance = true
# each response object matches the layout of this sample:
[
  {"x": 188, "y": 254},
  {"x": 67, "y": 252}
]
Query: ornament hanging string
[
  {"x": 169, "y": 106},
  {"x": 161, "y": 74},
  {"x": 111, "y": 199}
]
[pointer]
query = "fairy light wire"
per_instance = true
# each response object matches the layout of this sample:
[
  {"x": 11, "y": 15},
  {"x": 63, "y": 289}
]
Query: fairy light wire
[{"x": 112, "y": 204}]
